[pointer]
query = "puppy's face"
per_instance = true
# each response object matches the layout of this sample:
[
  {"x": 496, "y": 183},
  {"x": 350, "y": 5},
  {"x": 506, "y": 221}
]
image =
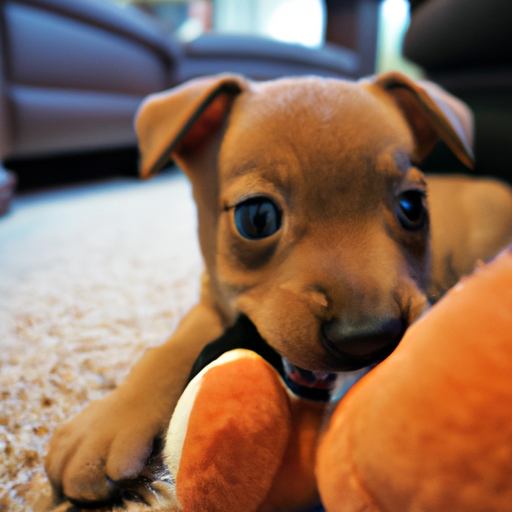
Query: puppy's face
[
  {"x": 322, "y": 235},
  {"x": 312, "y": 219}
]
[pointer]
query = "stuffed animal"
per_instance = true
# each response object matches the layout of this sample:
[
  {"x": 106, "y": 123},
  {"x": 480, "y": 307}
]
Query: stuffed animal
[
  {"x": 243, "y": 436},
  {"x": 429, "y": 429}
]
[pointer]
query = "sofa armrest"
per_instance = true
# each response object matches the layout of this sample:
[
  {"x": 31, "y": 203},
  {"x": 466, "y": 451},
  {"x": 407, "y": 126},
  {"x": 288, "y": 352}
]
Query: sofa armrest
[
  {"x": 262, "y": 58},
  {"x": 128, "y": 22}
]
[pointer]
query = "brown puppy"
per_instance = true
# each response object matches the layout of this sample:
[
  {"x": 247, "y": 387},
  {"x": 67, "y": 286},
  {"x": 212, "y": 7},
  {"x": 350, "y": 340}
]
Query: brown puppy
[{"x": 313, "y": 221}]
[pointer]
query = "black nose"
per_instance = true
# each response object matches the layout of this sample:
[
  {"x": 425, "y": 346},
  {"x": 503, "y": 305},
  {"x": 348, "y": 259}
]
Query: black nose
[{"x": 358, "y": 346}]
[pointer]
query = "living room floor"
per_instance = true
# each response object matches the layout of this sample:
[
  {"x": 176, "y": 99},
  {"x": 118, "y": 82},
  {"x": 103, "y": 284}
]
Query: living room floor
[{"x": 90, "y": 276}]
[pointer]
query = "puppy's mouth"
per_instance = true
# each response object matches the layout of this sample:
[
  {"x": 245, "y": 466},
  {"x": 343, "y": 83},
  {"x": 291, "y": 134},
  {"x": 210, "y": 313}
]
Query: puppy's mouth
[{"x": 355, "y": 349}]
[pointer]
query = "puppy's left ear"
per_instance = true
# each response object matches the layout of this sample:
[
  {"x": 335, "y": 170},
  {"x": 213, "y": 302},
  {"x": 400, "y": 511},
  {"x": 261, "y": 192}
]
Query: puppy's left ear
[{"x": 432, "y": 114}]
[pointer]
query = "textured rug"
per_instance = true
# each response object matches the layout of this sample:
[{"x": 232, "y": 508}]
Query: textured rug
[{"x": 89, "y": 278}]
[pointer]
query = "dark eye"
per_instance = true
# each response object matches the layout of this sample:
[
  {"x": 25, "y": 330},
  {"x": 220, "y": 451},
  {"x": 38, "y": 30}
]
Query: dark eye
[
  {"x": 257, "y": 218},
  {"x": 411, "y": 211}
]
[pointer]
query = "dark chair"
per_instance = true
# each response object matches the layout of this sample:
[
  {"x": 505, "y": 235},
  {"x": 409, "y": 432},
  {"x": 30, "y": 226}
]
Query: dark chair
[{"x": 466, "y": 46}]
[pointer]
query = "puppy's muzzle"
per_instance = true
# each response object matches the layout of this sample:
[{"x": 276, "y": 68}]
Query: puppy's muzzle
[{"x": 357, "y": 347}]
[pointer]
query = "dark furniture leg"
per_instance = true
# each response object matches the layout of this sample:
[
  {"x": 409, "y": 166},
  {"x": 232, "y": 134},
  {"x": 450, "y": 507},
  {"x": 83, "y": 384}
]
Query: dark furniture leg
[{"x": 7, "y": 186}]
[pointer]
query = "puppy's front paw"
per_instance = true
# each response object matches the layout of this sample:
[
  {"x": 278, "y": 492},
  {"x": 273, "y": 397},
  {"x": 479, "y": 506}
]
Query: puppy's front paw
[{"x": 110, "y": 441}]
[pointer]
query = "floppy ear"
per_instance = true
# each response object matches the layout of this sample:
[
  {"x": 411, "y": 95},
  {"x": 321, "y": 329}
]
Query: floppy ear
[
  {"x": 432, "y": 114},
  {"x": 178, "y": 121}
]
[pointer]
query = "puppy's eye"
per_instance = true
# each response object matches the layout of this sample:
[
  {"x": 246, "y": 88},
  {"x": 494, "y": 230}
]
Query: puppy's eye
[
  {"x": 411, "y": 210},
  {"x": 257, "y": 218}
]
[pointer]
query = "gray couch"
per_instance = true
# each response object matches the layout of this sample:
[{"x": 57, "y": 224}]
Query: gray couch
[{"x": 73, "y": 72}]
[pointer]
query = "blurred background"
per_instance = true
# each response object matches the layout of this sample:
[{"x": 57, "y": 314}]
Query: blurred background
[{"x": 73, "y": 72}]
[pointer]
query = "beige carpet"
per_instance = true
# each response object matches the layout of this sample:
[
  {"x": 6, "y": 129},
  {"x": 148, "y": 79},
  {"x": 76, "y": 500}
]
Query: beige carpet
[{"x": 89, "y": 277}]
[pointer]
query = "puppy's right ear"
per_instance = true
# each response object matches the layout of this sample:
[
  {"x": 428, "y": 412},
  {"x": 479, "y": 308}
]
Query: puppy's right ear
[
  {"x": 176, "y": 122},
  {"x": 432, "y": 114}
]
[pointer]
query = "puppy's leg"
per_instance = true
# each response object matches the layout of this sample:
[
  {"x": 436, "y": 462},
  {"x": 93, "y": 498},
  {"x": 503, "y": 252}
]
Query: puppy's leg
[
  {"x": 471, "y": 220},
  {"x": 112, "y": 438}
]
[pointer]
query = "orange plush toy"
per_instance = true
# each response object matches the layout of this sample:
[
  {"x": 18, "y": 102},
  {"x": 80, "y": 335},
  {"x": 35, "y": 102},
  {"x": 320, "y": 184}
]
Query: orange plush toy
[
  {"x": 429, "y": 429},
  {"x": 244, "y": 434}
]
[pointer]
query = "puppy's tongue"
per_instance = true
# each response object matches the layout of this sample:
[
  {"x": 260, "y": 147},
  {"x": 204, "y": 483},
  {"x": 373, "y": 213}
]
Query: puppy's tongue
[{"x": 321, "y": 386}]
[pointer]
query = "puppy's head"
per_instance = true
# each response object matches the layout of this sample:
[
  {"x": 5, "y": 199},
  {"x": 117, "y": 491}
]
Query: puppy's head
[{"x": 313, "y": 218}]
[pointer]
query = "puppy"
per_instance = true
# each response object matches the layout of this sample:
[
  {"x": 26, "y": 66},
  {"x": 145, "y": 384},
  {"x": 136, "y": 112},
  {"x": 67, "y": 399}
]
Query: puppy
[{"x": 314, "y": 221}]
